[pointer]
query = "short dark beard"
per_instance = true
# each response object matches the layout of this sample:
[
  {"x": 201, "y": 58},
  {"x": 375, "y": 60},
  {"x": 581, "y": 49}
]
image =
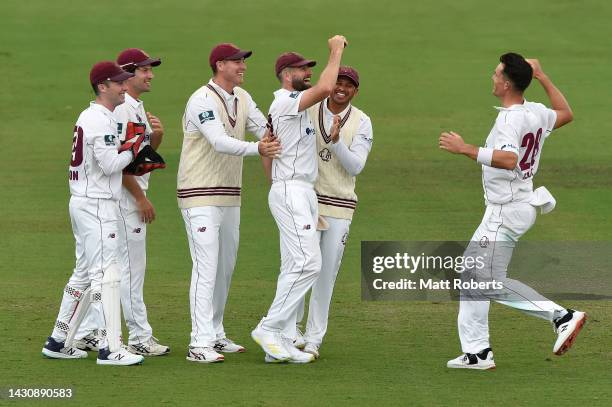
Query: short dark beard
[{"x": 299, "y": 84}]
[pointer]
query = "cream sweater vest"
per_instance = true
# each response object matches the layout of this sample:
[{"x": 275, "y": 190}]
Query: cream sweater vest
[
  {"x": 205, "y": 177},
  {"x": 335, "y": 187}
]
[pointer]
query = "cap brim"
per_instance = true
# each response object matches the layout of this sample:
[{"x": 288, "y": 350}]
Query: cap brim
[
  {"x": 356, "y": 83},
  {"x": 149, "y": 61},
  {"x": 306, "y": 62},
  {"x": 239, "y": 55},
  {"x": 121, "y": 77}
]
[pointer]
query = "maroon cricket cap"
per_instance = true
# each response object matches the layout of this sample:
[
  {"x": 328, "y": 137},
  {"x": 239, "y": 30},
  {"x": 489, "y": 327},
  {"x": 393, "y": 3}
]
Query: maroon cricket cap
[
  {"x": 349, "y": 72},
  {"x": 226, "y": 51},
  {"x": 292, "y": 60},
  {"x": 107, "y": 71},
  {"x": 136, "y": 57}
]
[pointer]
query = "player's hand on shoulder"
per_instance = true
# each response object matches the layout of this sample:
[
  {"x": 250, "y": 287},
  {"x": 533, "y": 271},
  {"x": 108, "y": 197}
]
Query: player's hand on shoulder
[
  {"x": 156, "y": 125},
  {"x": 536, "y": 66},
  {"x": 451, "y": 142},
  {"x": 269, "y": 146},
  {"x": 337, "y": 42},
  {"x": 145, "y": 209}
]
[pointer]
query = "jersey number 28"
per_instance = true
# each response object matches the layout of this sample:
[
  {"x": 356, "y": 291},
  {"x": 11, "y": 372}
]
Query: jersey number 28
[{"x": 531, "y": 144}]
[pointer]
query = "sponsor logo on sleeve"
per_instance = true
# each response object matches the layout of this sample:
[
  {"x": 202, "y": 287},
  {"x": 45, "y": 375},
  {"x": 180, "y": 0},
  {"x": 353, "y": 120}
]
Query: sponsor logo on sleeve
[
  {"x": 206, "y": 116},
  {"x": 109, "y": 139},
  {"x": 294, "y": 95}
]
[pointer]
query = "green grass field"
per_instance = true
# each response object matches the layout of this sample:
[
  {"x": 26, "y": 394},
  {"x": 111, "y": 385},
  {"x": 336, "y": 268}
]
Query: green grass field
[{"x": 425, "y": 67}]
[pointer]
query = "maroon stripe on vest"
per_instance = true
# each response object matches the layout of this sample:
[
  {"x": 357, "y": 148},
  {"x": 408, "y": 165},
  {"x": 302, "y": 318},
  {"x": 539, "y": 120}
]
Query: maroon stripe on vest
[
  {"x": 336, "y": 199},
  {"x": 337, "y": 204},
  {"x": 194, "y": 194},
  {"x": 210, "y": 189}
]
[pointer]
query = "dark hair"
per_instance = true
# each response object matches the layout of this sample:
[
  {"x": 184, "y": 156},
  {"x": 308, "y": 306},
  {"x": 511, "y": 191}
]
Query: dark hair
[
  {"x": 517, "y": 70},
  {"x": 96, "y": 89}
]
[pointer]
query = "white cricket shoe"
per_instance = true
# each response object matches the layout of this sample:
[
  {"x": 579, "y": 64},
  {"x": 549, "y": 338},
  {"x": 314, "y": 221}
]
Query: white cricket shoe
[
  {"x": 567, "y": 328},
  {"x": 299, "y": 341},
  {"x": 313, "y": 349},
  {"x": 226, "y": 345},
  {"x": 120, "y": 358},
  {"x": 296, "y": 355},
  {"x": 204, "y": 355},
  {"x": 56, "y": 350},
  {"x": 90, "y": 343},
  {"x": 271, "y": 359},
  {"x": 480, "y": 361},
  {"x": 152, "y": 347},
  {"x": 271, "y": 342}
]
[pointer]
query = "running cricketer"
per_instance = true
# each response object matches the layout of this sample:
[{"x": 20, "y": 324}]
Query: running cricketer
[
  {"x": 95, "y": 187},
  {"x": 510, "y": 160},
  {"x": 292, "y": 197},
  {"x": 216, "y": 118},
  {"x": 344, "y": 140}
]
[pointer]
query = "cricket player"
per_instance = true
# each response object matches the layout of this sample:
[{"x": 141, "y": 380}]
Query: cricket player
[
  {"x": 95, "y": 186},
  {"x": 292, "y": 197},
  {"x": 216, "y": 118},
  {"x": 136, "y": 211},
  {"x": 344, "y": 140},
  {"x": 510, "y": 160}
]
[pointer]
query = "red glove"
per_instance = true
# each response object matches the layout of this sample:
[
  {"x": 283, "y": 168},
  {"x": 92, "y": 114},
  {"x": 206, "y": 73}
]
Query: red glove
[{"x": 134, "y": 136}]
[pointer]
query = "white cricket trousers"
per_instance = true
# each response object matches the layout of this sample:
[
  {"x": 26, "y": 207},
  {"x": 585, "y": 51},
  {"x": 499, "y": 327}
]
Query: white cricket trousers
[
  {"x": 332, "y": 243},
  {"x": 496, "y": 236},
  {"x": 133, "y": 260},
  {"x": 212, "y": 232},
  {"x": 295, "y": 209},
  {"x": 94, "y": 225}
]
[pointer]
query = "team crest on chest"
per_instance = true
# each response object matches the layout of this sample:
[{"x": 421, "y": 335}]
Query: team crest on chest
[{"x": 325, "y": 154}]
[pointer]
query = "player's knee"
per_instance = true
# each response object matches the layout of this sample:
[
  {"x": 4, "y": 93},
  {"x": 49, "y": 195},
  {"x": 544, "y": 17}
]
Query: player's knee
[{"x": 313, "y": 263}]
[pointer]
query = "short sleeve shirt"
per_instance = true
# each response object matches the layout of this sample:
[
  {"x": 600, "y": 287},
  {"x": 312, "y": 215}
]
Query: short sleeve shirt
[{"x": 294, "y": 129}]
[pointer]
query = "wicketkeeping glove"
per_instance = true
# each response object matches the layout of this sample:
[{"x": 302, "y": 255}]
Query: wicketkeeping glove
[
  {"x": 147, "y": 160},
  {"x": 134, "y": 136}
]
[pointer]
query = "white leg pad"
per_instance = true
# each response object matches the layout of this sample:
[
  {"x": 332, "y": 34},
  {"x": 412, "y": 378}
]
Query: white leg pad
[
  {"x": 80, "y": 310},
  {"x": 111, "y": 304}
]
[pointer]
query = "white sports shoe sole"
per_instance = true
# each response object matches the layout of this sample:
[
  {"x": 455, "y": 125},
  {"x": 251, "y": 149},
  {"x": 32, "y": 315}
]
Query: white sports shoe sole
[
  {"x": 271, "y": 359},
  {"x": 204, "y": 360},
  {"x": 573, "y": 332},
  {"x": 128, "y": 361},
  {"x": 460, "y": 363},
  {"x": 59, "y": 355},
  {"x": 475, "y": 367}
]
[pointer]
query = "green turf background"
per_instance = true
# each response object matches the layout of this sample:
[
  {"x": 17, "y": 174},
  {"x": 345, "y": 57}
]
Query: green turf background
[{"x": 425, "y": 67}]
